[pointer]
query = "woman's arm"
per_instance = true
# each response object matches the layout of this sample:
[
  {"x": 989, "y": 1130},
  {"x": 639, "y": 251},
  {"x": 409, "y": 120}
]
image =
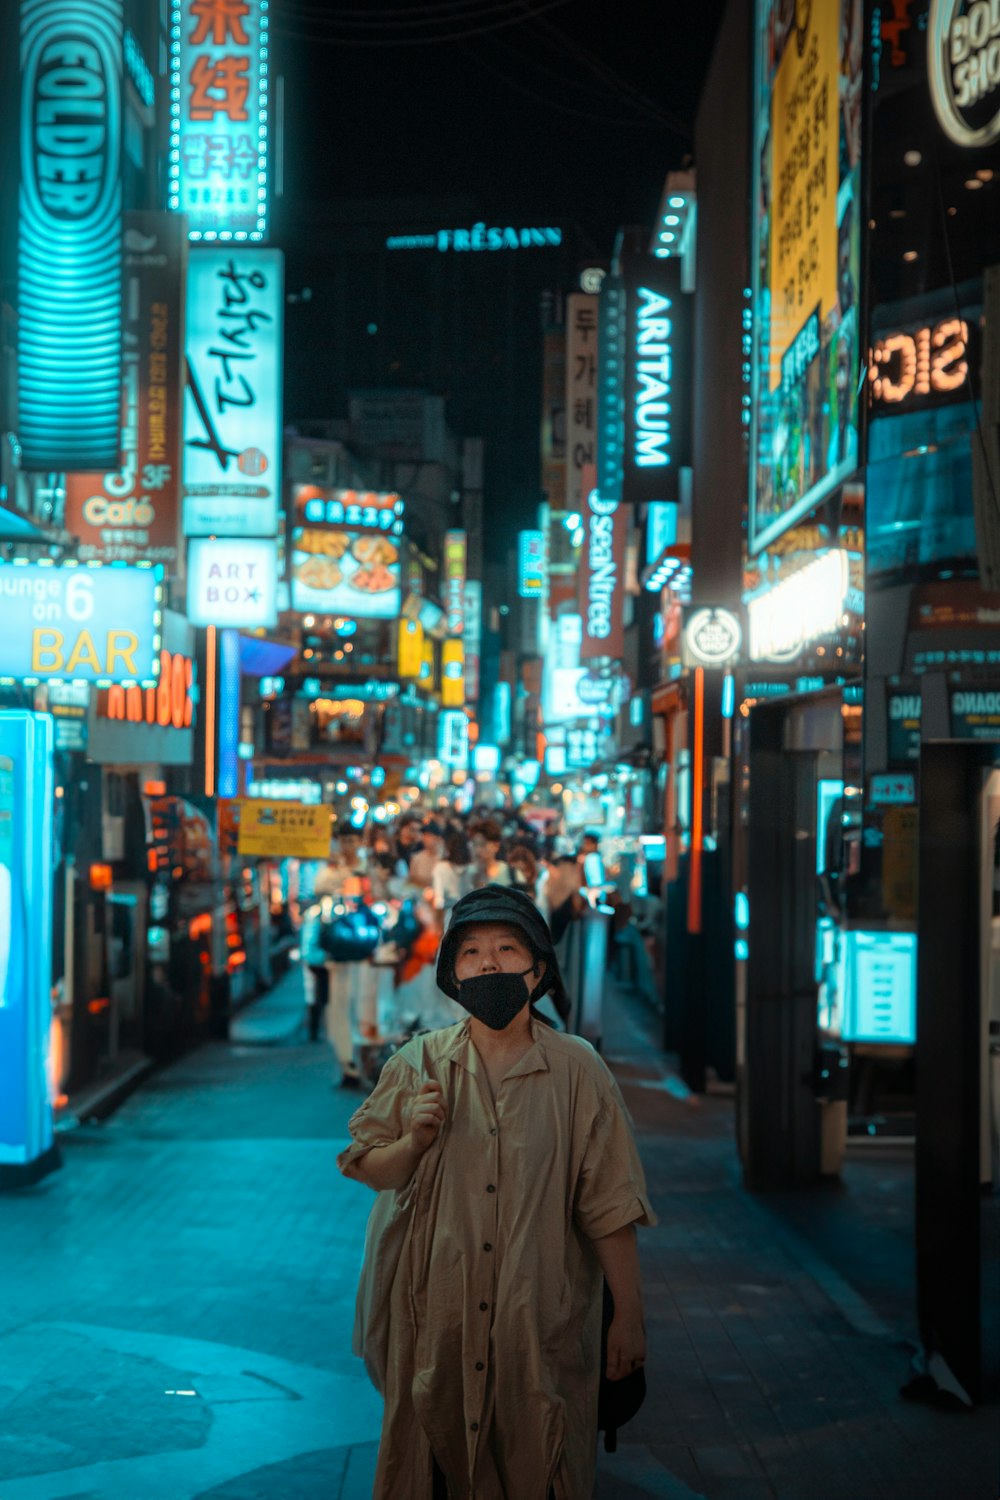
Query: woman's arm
[
  {"x": 393, "y": 1165},
  {"x": 386, "y": 1166},
  {"x": 619, "y": 1258}
]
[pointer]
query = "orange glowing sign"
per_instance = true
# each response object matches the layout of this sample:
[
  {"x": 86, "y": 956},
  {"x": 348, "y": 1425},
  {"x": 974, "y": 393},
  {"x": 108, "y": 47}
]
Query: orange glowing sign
[
  {"x": 169, "y": 705},
  {"x": 923, "y": 364}
]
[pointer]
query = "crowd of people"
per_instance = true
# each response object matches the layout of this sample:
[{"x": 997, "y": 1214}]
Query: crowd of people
[{"x": 372, "y": 919}]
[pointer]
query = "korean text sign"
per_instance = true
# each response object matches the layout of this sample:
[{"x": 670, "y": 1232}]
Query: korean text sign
[
  {"x": 581, "y": 393},
  {"x": 232, "y": 581},
  {"x": 219, "y": 117},
  {"x": 80, "y": 622},
  {"x": 232, "y": 406},
  {"x": 70, "y": 234},
  {"x": 806, "y": 259},
  {"x": 454, "y": 580},
  {"x": 283, "y": 830},
  {"x": 131, "y": 513}
]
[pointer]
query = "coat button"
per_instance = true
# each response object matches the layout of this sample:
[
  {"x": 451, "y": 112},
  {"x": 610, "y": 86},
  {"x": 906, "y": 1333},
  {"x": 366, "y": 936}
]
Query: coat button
[
  {"x": 487, "y": 1247},
  {"x": 493, "y": 1131},
  {"x": 484, "y": 1307},
  {"x": 491, "y": 1188},
  {"x": 475, "y": 1426},
  {"x": 480, "y": 1365}
]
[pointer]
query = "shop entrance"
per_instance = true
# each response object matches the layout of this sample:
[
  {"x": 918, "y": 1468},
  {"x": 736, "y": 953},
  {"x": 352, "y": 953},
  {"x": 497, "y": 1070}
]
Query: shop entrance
[{"x": 958, "y": 1060}]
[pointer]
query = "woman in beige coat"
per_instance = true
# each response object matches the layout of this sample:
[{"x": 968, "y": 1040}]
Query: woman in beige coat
[{"x": 509, "y": 1188}]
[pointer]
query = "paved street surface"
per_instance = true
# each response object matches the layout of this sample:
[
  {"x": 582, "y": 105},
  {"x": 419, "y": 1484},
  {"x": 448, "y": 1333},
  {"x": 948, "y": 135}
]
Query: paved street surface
[{"x": 177, "y": 1304}]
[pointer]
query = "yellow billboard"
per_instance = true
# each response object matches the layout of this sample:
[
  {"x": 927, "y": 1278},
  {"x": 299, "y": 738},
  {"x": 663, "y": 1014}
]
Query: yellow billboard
[{"x": 284, "y": 830}]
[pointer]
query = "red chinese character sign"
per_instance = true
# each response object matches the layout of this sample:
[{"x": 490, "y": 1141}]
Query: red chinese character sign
[
  {"x": 131, "y": 514},
  {"x": 218, "y": 138}
]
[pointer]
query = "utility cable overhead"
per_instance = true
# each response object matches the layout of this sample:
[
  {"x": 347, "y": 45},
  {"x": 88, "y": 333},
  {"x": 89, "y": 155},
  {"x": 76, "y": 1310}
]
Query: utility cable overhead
[
  {"x": 300, "y": 16},
  {"x": 548, "y": 102}
]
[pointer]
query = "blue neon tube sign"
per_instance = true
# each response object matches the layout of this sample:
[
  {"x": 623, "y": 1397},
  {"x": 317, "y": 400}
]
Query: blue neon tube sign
[{"x": 70, "y": 234}]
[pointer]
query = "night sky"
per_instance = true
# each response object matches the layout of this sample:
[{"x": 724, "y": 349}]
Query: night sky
[
  {"x": 572, "y": 117},
  {"x": 577, "y": 107}
]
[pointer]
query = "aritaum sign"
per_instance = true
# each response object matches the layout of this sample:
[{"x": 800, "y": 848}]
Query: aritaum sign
[{"x": 657, "y": 379}]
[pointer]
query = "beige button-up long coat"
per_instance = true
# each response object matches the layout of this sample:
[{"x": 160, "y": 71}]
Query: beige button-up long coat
[{"x": 495, "y": 1304}]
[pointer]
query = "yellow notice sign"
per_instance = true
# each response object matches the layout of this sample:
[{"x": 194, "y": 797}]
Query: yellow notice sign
[
  {"x": 284, "y": 830},
  {"x": 805, "y": 136}
]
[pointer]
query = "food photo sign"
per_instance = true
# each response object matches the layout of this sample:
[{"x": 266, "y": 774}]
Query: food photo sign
[{"x": 351, "y": 567}]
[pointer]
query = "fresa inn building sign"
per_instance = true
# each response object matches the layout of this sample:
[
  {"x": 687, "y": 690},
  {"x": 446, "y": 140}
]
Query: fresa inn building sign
[{"x": 478, "y": 237}]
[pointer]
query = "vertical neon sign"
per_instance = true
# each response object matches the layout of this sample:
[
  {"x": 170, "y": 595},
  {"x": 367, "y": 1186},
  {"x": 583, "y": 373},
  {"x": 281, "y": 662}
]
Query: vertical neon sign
[
  {"x": 219, "y": 117},
  {"x": 27, "y": 1150},
  {"x": 70, "y": 234}
]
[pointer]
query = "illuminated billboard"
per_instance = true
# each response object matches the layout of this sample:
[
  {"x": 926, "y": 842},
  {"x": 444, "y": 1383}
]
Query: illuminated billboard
[
  {"x": 340, "y": 572},
  {"x": 70, "y": 235},
  {"x": 27, "y": 787},
  {"x": 232, "y": 581},
  {"x": 530, "y": 564},
  {"x": 656, "y": 438},
  {"x": 130, "y": 513},
  {"x": 232, "y": 405},
  {"x": 80, "y": 622},
  {"x": 359, "y": 510},
  {"x": 806, "y": 258},
  {"x": 219, "y": 117}
]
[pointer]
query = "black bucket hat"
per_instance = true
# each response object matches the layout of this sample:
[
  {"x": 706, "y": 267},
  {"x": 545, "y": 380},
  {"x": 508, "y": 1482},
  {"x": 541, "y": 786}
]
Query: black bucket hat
[{"x": 499, "y": 903}]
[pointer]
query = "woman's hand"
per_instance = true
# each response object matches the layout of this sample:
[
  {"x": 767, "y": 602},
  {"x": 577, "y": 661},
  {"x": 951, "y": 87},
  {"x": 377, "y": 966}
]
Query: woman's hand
[
  {"x": 426, "y": 1115},
  {"x": 626, "y": 1346}
]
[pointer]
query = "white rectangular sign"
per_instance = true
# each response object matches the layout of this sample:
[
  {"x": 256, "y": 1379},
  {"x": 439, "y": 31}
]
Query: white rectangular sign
[
  {"x": 232, "y": 581},
  {"x": 232, "y": 404}
]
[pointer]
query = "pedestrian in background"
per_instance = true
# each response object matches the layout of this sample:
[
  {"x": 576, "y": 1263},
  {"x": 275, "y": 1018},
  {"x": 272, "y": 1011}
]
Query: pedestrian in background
[
  {"x": 452, "y": 876},
  {"x": 485, "y": 841},
  {"x": 515, "y": 1184},
  {"x": 524, "y": 870}
]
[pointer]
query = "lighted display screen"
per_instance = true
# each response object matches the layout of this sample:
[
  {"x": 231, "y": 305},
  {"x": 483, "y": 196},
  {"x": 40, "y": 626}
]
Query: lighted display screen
[
  {"x": 345, "y": 573},
  {"x": 219, "y": 117},
  {"x": 70, "y": 235},
  {"x": 80, "y": 622},
  {"x": 806, "y": 262}
]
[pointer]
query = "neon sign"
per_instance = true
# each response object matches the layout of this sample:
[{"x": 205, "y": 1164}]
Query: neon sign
[
  {"x": 80, "y": 622},
  {"x": 169, "y": 705},
  {"x": 652, "y": 370},
  {"x": 70, "y": 235},
  {"x": 219, "y": 117},
  {"x": 963, "y": 62},
  {"x": 657, "y": 369},
  {"x": 924, "y": 363},
  {"x": 478, "y": 237}
]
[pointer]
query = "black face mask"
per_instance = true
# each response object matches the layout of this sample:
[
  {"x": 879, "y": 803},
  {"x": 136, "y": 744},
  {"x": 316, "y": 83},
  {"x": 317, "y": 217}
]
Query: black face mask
[{"x": 495, "y": 999}]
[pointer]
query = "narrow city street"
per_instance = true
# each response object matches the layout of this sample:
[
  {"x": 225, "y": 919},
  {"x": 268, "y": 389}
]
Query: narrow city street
[{"x": 178, "y": 1303}]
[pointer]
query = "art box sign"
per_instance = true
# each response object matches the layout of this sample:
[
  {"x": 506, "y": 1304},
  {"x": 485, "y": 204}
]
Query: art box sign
[
  {"x": 79, "y": 622},
  {"x": 218, "y": 127},
  {"x": 131, "y": 513},
  {"x": 232, "y": 581},
  {"x": 232, "y": 406}
]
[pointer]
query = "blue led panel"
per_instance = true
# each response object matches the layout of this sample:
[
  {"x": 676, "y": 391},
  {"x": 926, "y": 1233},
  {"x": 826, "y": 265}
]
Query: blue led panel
[{"x": 70, "y": 245}]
